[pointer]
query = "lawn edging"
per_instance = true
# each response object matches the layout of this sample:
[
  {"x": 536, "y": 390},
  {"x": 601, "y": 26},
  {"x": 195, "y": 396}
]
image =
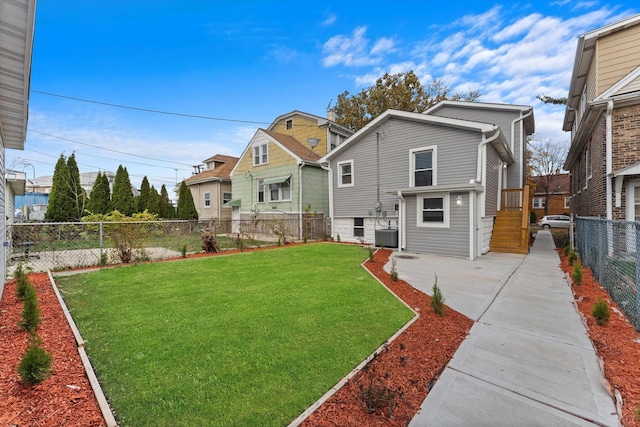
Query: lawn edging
[
  {"x": 107, "y": 414},
  {"x": 311, "y": 409}
]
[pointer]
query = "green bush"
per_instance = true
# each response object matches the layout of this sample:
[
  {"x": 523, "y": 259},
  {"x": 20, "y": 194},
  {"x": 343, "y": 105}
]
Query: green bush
[
  {"x": 35, "y": 365},
  {"x": 567, "y": 249},
  {"x": 437, "y": 299},
  {"x": 577, "y": 274},
  {"x": 393, "y": 273},
  {"x": 573, "y": 256},
  {"x": 21, "y": 286},
  {"x": 30, "y": 311},
  {"x": 533, "y": 217},
  {"x": 370, "y": 253},
  {"x": 601, "y": 312}
]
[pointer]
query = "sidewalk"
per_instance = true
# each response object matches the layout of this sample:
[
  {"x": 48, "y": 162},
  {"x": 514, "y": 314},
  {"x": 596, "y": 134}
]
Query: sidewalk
[{"x": 528, "y": 359}]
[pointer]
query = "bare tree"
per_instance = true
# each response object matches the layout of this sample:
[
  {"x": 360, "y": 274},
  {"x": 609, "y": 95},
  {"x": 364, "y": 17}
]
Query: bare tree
[{"x": 546, "y": 158}]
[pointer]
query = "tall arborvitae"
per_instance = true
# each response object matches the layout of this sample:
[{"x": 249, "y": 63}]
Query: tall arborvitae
[
  {"x": 100, "y": 197},
  {"x": 61, "y": 204},
  {"x": 186, "y": 206},
  {"x": 76, "y": 192},
  {"x": 166, "y": 207},
  {"x": 154, "y": 201},
  {"x": 122, "y": 197},
  {"x": 143, "y": 198}
]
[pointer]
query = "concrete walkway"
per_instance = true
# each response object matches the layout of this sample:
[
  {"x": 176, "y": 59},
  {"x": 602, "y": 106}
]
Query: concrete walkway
[{"x": 527, "y": 360}]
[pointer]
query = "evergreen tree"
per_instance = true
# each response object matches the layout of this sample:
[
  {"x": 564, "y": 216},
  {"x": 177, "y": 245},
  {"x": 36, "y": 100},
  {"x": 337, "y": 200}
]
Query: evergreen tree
[
  {"x": 100, "y": 197},
  {"x": 76, "y": 192},
  {"x": 61, "y": 204},
  {"x": 154, "y": 201},
  {"x": 122, "y": 197},
  {"x": 166, "y": 207},
  {"x": 186, "y": 206},
  {"x": 143, "y": 198}
]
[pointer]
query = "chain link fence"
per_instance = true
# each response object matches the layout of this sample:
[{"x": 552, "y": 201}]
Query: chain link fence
[
  {"x": 61, "y": 246},
  {"x": 612, "y": 250}
]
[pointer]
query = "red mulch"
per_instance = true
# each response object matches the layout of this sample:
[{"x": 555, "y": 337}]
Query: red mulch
[
  {"x": 63, "y": 399},
  {"x": 617, "y": 343},
  {"x": 407, "y": 368}
]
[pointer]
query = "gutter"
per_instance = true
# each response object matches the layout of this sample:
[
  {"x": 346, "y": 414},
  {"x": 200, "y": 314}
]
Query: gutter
[
  {"x": 609, "y": 157},
  {"x": 403, "y": 220}
]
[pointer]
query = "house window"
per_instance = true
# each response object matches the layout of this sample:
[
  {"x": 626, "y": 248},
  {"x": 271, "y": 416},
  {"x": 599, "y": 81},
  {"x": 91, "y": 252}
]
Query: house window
[
  {"x": 335, "y": 140},
  {"x": 207, "y": 200},
  {"x": 260, "y": 155},
  {"x": 539, "y": 202},
  {"x": 288, "y": 124},
  {"x": 345, "y": 174},
  {"x": 260, "y": 191},
  {"x": 423, "y": 166},
  {"x": 433, "y": 210},
  {"x": 226, "y": 197},
  {"x": 280, "y": 191},
  {"x": 587, "y": 163},
  {"x": 358, "y": 227},
  {"x": 567, "y": 202}
]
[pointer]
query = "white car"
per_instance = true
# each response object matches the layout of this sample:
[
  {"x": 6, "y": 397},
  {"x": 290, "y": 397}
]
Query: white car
[{"x": 556, "y": 221}]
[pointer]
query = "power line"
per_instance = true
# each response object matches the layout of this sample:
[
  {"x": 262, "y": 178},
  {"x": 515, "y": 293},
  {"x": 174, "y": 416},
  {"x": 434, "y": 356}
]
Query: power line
[{"x": 150, "y": 110}]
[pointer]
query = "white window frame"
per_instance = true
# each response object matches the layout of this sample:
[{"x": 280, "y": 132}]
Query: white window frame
[
  {"x": 226, "y": 199},
  {"x": 260, "y": 154},
  {"x": 279, "y": 189},
  {"x": 587, "y": 163},
  {"x": 446, "y": 208},
  {"x": 258, "y": 185},
  {"x": 358, "y": 227},
  {"x": 567, "y": 202},
  {"x": 206, "y": 199},
  {"x": 340, "y": 175},
  {"x": 539, "y": 202},
  {"x": 434, "y": 164}
]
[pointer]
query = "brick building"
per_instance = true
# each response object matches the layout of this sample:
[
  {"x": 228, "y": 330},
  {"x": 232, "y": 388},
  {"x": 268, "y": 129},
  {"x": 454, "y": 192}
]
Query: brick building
[
  {"x": 603, "y": 115},
  {"x": 558, "y": 199}
]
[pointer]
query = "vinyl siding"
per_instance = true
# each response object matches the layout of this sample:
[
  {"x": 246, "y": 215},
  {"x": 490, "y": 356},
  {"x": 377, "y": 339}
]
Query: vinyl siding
[
  {"x": 493, "y": 170},
  {"x": 452, "y": 241},
  {"x": 3, "y": 221},
  {"x": 617, "y": 54},
  {"x": 245, "y": 188},
  {"x": 277, "y": 157},
  {"x": 215, "y": 188},
  {"x": 315, "y": 189},
  {"x": 303, "y": 129},
  {"x": 503, "y": 119},
  {"x": 456, "y": 164}
]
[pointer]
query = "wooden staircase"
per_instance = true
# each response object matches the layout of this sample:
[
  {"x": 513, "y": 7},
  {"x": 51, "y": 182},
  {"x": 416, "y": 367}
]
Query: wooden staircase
[{"x": 511, "y": 227}]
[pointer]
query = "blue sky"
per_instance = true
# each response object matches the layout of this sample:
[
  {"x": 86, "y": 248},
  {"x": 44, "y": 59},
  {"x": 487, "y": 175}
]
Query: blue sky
[{"x": 247, "y": 62}]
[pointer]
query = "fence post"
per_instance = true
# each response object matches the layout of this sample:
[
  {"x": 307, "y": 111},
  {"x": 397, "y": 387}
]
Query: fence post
[{"x": 101, "y": 241}]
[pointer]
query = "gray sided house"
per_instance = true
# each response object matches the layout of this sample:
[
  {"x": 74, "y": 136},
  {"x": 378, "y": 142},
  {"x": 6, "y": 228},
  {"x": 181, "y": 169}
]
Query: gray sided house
[{"x": 432, "y": 180}]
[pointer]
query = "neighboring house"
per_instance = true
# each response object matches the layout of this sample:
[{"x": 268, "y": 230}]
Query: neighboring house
[
  {"x": 603, "y": 111},
  {"x": 278, "y": 174},
  {"x": 557, "y": 200},
  {"x": 43, "y": 184},
  {"x": 434, "y": 180},
  {"x": 15, "y": 186},
  {"x": 16, "y": 43},
  {"x": 211, "y": 189}
]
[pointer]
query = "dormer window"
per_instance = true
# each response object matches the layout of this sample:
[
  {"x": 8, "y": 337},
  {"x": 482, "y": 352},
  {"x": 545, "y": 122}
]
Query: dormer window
[{"x": 288, "y": 124}]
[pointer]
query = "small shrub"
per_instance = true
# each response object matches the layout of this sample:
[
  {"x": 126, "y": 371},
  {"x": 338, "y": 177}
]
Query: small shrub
[
  {"x": 567, "y": 249},
  {"x": 183, "y": 250},
  {"x": 21, "y": 286},
  {"x": 30, "y": 311},
  {"x": 209, "y": 243},
  {"x": 393, "y": 273},
  {"x": 370, "y": 253},
  {"x": 304, "y": 238},
  {"x": 104, "y": 259},
  {"x": 437, "y": 299},
  {"x": 279, "y": 240},
  {"x": 35, "y": 365},
  {"x": 577, "y": 274},
  {"x": 338, "y": 238},
  {"x": 573, "y": 256},
  {"x": 601, "y": 312},
  {"x": 377, "y": 397},
  {"x": 533, "y": 217}
]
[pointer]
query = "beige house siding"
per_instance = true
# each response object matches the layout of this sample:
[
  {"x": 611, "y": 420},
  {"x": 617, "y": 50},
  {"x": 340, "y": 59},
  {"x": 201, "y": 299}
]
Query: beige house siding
[
  {"x": 617, "y": 55},
  {"x": 216, "y": 190},
  {"x": 304, "y": 128}
]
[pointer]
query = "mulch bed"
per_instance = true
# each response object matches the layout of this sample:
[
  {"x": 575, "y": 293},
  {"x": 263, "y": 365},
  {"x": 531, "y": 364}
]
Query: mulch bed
[
  {"x": 397, "y": 380},
  {"x": 617, "y": 343}
]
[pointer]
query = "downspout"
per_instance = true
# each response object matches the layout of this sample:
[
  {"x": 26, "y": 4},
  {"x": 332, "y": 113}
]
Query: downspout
[
  {"x": 401, "y": 224},
  {"x": 484, "y": 142},
  {"x": 328, "y": 169},
  {"x": 609, "y": 154},
  {"x": 301, "y": 165},
  {"x": 513, "y": 129}
]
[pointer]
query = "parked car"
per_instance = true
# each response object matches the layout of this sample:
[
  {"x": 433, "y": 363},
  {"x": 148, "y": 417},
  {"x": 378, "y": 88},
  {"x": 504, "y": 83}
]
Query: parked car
[{"x": 556, "y": 221}]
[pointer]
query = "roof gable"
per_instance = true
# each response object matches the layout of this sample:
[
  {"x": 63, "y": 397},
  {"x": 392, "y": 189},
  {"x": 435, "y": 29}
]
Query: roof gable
[
  {"x": 321, "y": 121},
  {"x": 219, "y": 173},
  {"x": 627, "y": 85}
]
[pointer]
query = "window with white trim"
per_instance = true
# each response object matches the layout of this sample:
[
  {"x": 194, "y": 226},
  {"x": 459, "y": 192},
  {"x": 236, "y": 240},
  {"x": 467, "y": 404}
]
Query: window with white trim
[
  {"x": 260, "y": 155},
  {"x": 587, "y": 163},
  {"x": 260, "y": 191},
  {"x": 358, "y": 227},
  {"x": 567, "y": 202},
  {"x": 345, "y": 174},
  {"x": 335, "y": 140},
  {"x": 288, "y": 124},
  {"x": 423, "y": 166},
  {"x": 433, "y": 210},
  {"x": 226, "y": 197},
  {"x": 207, "y": 200},
  {"x": 539, "y": 202},
  {"x": 280, "y": 191}
]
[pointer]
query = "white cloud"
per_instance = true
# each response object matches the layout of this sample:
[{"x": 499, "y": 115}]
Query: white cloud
[
  {"x": 329, "y": 21},
  {"x": 353, "y": 50},
  {"x": 382, "y": 45}
]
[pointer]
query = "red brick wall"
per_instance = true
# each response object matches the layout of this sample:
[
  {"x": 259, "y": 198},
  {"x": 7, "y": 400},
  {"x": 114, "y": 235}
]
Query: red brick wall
[
  {"x": 626, "y": 147},
  {"x": 591, "y": 201}
]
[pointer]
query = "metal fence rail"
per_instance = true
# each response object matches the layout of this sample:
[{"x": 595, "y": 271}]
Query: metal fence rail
[
  {"x": 612, "y": 250},
  {"x": 61, "y": 246}
]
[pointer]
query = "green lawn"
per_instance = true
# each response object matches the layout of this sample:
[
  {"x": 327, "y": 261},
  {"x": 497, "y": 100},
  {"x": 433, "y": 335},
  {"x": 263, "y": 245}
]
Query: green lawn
[{"x": 246, "y": 339}]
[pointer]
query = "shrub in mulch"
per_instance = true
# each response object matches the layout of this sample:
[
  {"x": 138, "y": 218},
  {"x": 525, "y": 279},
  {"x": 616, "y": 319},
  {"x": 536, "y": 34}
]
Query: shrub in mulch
[
  {"x": 617, "y": 342},
  {"x": 391, "y": 388}
]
